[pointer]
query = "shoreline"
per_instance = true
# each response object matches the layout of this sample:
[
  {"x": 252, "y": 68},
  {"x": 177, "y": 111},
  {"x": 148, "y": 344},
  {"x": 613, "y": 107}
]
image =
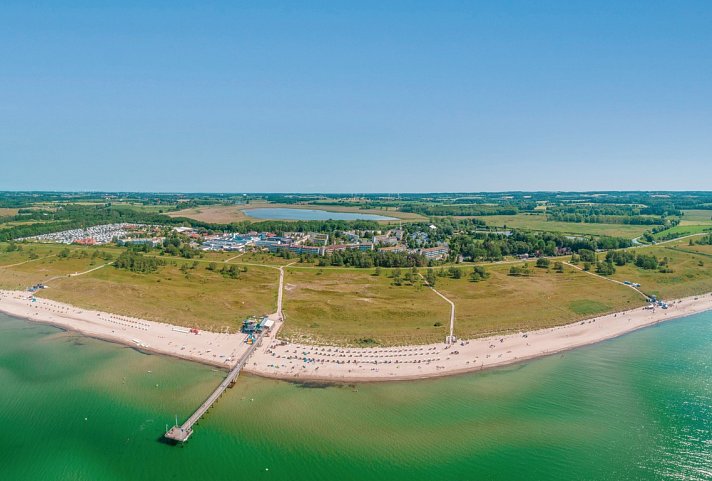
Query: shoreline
[
  {"x": 213, "y": 349},
  {"x": 302, "y": 363},
  {"x": 296, "y": 362}
]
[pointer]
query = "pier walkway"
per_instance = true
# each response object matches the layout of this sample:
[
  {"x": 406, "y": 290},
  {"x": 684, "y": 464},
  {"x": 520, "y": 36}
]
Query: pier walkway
[{"x": 182, "y": 433}]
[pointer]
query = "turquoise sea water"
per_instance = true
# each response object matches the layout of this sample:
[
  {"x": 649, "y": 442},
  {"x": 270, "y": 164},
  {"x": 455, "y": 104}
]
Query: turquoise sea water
[
  {"x": 285, "y": 213},
  {"x": 636, "y": 407}
]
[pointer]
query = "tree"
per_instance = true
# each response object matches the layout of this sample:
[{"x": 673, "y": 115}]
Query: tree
[
  {"x": 645, "y": 261},
  {"x": 430, "y": 277},
  {"x": 543, "y": 262},
  {"x": 519, "y": 271},
  {"x": 559, "y": 267},
  {"x": 396, "y": 276},
  {"x": 455, "y": 272},
  {"x": 605, "y": 268},
  {"x": 478, "y": 273}
]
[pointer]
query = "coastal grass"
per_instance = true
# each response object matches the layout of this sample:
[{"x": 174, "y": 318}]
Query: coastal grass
[
  {"x": 351, "y": 307},
  {"x": 197, "y": 298},
  {"x": 539, "y": 222},
  {"x": 691, "y": 271},
  {"x": 39, "y": 263},
  {"x": 545, "y": 298}
]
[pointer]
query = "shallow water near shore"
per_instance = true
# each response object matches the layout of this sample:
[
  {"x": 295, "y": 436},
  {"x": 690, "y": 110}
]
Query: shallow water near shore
[{"x": 635, "y": 407}]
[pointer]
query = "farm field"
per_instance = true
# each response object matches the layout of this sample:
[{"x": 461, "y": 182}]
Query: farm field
[
  {"x": 347, "y": 307},
  {"x": 539, "y": 222},
  {"x": 225, "y": 214},
  {"x": 696, "y": 217},
  {"x": 7, "y": 212},
  {"x": 504, "y": 303},
  {"x": 683, "y": 230}
]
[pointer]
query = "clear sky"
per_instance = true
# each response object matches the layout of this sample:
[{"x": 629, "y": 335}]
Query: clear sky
[{"x": 360, "y": 96}]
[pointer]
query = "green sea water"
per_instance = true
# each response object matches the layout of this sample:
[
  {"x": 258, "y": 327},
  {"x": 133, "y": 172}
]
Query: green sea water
[{"x": 636, "y": 407}]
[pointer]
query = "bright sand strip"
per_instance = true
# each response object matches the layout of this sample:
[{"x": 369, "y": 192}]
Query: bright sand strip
[
  {"x": 206, "y": 347},
  {"x": 307, "y": 362}
]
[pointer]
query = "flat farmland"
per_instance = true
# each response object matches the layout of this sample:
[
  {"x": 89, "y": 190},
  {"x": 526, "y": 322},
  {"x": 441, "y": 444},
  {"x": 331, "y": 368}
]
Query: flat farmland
[
  {"x": 226, "y": 214},
  {"x": 539, "y": 222},
  {"x": 7, "y": 212},
  {"x": 695, "y": 217}
]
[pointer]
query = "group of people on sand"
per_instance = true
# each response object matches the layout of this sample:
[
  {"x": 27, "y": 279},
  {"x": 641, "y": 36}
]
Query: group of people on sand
[{"x": 315, "y": 355}]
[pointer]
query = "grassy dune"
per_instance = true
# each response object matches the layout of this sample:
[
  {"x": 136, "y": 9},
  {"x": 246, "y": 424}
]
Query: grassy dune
[
  {"x": 344, "y": 306},
  {"x": 692, "y": 271},
  {"x": 505, "y": 303},
  {"x": 199, "y": 298},
  {"x": 348, "y": 306}
]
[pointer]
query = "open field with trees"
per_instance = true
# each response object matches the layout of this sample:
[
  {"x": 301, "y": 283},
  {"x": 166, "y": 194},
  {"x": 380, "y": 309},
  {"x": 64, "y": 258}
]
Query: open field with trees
[
  {"x": 680, "y": 271},
  {"x": 37, "y": 263},
  {"x": 541, "y": 297},
  {"x": 194, "y": 297}
]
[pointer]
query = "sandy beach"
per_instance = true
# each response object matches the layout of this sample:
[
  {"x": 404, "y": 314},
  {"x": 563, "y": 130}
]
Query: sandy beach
[
  {"x": 279, "y": 359},
  {"x": 307, "y": 362},
  {"x": 216, "y": 349}
]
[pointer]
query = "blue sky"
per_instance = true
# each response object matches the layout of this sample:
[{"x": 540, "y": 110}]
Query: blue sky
[{"x": 355, "y": 96}]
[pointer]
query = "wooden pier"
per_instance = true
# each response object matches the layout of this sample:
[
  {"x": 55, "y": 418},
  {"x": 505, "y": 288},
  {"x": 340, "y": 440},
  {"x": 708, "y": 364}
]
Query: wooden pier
[{"x": 182, "y": 433}]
